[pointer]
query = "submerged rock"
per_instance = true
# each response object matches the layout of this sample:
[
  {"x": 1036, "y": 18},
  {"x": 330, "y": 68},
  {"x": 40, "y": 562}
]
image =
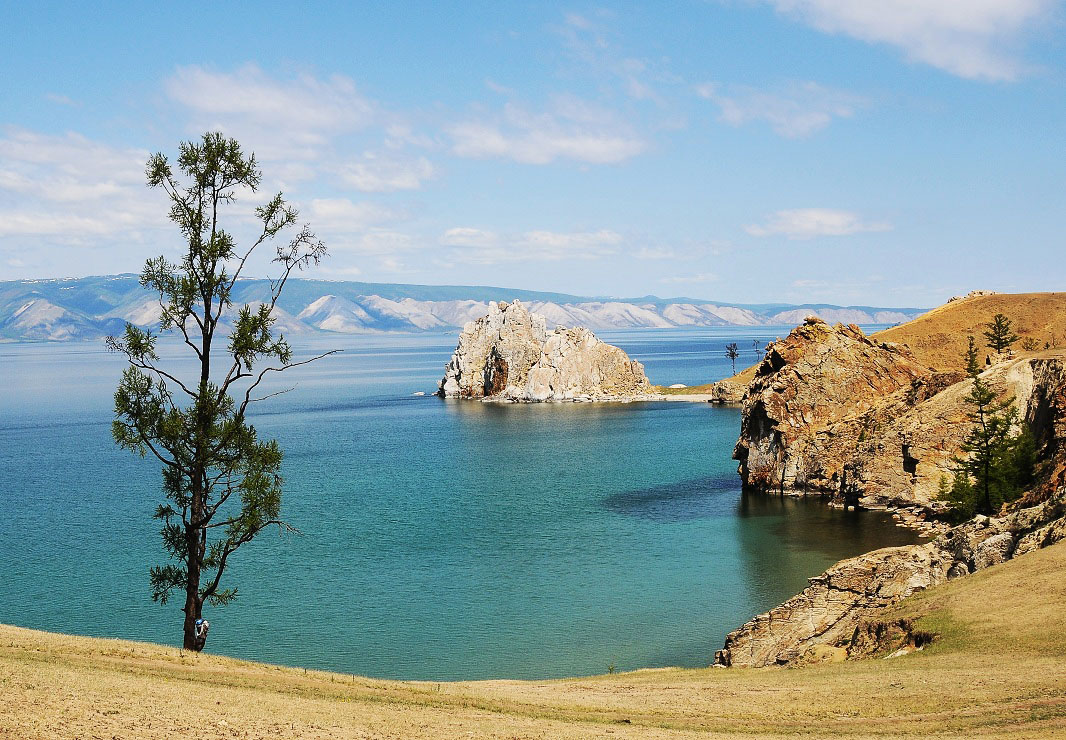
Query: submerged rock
[{"x": 509, "y": 355}]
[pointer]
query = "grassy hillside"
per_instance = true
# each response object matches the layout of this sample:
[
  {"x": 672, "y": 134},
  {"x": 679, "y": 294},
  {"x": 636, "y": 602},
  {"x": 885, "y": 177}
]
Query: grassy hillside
[
  {"x": 938, "y": 337},
  {"x": 998, "y": 670}
]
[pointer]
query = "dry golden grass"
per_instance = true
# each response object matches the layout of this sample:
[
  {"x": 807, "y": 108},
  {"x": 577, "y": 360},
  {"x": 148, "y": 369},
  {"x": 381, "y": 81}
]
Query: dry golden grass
[
  {"x": 686, "y": 391},
  {"x": 743, "y": 378},
  {"x": 938, "y": 338},
  {"x": 998, "y": 670}
]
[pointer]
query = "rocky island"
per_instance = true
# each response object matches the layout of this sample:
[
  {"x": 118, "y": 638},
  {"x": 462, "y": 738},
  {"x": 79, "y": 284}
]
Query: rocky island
[{"x": 509, "y": 355}]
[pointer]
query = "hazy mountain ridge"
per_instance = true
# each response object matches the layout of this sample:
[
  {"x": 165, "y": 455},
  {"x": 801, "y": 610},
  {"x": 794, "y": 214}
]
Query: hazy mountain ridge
[{"x": 84, "y": 308}]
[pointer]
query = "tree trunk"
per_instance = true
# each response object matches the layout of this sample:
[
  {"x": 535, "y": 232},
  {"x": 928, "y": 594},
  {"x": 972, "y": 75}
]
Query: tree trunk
[{"x": 193, "y": 605}]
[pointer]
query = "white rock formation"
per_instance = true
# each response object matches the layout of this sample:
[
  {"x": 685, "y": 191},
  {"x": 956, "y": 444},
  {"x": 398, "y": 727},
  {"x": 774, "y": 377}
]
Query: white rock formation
[{"x": 509, "y": 355}]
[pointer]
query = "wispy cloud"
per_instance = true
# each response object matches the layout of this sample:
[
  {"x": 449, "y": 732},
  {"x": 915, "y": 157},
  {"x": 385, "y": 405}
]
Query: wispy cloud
[
  {"x": 570, "y": 129},
  {"x": 68, "y": 186},
  {"x": 284, "y": 119},
  {"x": 700, "y": 277},
  {"x": 377, "y": 173},
  {"x": 463, "y": 236},
  {"x": 591, "y": 51},
  {"x": 794, "y": 111},
  {"x": 974, "y": 39},
  {"x": 487, "y": 247},
  {"x": 61, "y": 100},
  {"x": 344, "y": 216},
  {"x": 655, "y": 253},
  {"x": 382, "y": 242},
  {"x": 807, "y": 223}
]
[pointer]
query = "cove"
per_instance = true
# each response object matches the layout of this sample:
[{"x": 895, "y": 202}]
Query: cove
[{"x": 440, "y": 540}]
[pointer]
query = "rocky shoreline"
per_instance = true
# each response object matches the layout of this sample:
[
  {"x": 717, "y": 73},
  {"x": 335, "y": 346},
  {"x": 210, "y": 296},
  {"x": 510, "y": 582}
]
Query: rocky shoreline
[{"x": 835, "y": 414}]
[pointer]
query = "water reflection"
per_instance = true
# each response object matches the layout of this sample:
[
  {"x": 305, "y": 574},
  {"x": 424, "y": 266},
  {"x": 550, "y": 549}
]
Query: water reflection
[{"x": 696, "y": 498}]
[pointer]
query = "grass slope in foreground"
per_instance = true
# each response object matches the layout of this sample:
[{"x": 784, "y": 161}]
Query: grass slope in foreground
[{"x": 997, "y": 670}]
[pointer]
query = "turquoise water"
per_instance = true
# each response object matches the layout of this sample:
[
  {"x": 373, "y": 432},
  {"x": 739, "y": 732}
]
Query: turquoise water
[{"x": 440, "y": 539}]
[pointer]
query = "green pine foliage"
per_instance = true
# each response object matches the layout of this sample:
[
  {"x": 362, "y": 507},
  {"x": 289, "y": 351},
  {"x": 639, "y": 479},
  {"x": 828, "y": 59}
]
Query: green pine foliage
[
  {"x": 999, "y": 334},
  {"x": 221, "y": 482},
  {"x": 973, "y": 368},
  {"x": 997, "y": 464}
]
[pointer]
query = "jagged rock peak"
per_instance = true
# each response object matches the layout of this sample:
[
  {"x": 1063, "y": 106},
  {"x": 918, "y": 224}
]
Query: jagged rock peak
[
  {"x": 815, "y": 377},
  {"x": 509, "y": 355}
]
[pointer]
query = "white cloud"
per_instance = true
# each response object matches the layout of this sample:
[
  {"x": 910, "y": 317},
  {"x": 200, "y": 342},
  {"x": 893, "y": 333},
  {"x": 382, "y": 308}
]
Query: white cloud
[
  {"x": 571, "y": 129},
  {"x": 341, "y": 215},
  {"x": 487, "y": 247},
  {"x": 375, "y": 241},
  {"x": 498, "y": 88},
  {"x": 564, "y": 244},
  {"x": 68, "y": 186},
  {"x": 374, "y": 173},
  {"x": 795, "y": 111},
  {"x": 655, "y": 253},
  {"x": 807, "y": 223},
  {"x": 280, "y": 119},
  {"x": 701, "y": 277},
  {"x": 590, "y": 50},
  {"x": 974, "y": 39},
  {"x": 462, "y": 236},
  {"x": 61, "y": 100},
  {"x": 337, "y": 272}
]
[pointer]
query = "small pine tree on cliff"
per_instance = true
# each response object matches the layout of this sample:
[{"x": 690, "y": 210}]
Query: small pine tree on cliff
[
  {"x": 973, "y": 369},
  {"x": 997, "y": 465},
  {"x": 999, "y": 334}
]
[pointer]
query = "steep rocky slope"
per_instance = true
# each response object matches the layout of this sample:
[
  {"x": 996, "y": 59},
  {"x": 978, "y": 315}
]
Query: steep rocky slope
[
  {"x": 509, "y": 355},
  {"x": 830, "y": 409}
]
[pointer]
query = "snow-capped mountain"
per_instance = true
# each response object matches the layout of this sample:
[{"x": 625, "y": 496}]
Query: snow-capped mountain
[{"x": 84, "y": 308}]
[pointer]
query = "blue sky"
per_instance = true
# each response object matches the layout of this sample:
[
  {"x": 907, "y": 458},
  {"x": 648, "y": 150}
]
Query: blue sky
[{"x": 887, "y": 152}]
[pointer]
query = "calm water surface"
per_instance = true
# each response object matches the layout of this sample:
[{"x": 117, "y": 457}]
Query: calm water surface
[{"x": 440, "y": 540}]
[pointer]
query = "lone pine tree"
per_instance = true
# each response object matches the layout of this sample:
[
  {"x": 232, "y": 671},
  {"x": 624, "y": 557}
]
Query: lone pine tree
[
  {"x": 221, "y": 482},
  {"x": 999, "y": 334},
  {"x": 732, "y": 352}
]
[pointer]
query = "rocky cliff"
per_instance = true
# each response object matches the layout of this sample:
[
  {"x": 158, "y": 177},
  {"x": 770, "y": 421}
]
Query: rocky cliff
[
  {"x": 829, "y": 407},
  {"x": 509, "y": 355}
]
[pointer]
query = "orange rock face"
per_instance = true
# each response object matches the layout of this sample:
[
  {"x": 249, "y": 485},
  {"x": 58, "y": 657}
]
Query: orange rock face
[{"x": 807, "y": 411}]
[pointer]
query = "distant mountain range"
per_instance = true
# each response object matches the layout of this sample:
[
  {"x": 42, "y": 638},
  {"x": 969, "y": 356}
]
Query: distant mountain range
[{"x": 90, "y": 307}]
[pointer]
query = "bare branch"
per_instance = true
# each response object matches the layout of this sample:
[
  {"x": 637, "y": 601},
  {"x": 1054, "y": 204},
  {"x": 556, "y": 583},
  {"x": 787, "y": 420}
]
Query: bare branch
[
  {"x": 283, "y": 368},
  {"x": 271, "y": 395}
]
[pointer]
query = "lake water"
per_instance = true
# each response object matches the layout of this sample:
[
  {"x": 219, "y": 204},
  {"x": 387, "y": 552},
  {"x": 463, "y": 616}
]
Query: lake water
[{"x": 440, "y": 539}]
